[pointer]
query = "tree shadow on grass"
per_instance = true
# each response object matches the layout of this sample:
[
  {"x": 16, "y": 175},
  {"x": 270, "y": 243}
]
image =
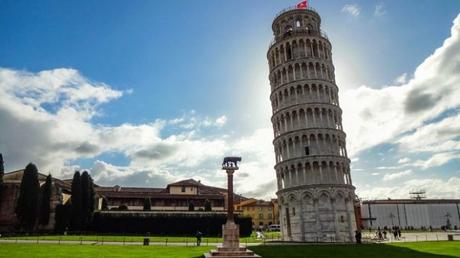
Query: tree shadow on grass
[{"x": 342, "y": 251}]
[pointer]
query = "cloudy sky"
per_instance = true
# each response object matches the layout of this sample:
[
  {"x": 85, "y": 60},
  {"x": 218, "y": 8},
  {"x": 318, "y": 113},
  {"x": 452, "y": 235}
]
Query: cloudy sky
[{"x": 145, "y": 93}]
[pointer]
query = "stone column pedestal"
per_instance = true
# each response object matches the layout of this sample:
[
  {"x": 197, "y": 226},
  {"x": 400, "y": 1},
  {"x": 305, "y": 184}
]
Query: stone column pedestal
[
  {"x": 231, "y": 235},
  {"x": 231, "y": 248}
]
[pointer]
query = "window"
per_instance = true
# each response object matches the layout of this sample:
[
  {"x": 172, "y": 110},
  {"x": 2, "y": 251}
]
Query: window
[
  {"x": 261, "y": 216},
  {"x": 307, "y": 150},
  {"x": 183, "y": 189},
  {"x": 293, "y": 211}
]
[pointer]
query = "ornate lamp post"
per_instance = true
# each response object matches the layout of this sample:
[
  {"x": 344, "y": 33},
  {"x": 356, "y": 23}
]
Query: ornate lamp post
[
  {"x": 230, "y": 230},
  {"x": 230, "y": 164}
]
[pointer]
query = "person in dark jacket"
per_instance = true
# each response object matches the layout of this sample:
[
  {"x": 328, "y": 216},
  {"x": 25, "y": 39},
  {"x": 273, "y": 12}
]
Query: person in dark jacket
[{"x": 198, "y": 237}]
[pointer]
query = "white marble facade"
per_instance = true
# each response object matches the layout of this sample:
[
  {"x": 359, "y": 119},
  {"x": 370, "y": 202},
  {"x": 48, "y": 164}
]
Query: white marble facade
[{"x": 315, "y": 190}]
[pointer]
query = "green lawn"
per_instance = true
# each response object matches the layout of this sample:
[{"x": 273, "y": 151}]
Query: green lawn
[
  {"x": 397, "y": 250},
  {"x": 112, "y": 238},
  {"x": 85, "y": 251}
]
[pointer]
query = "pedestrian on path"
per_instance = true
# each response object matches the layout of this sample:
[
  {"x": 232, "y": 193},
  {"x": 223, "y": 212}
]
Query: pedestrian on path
[{"x": 198, "y": 237}]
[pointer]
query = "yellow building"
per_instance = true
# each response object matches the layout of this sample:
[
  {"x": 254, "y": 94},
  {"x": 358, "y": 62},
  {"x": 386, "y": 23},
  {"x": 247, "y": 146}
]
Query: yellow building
[{"x": 263, "y": 213}]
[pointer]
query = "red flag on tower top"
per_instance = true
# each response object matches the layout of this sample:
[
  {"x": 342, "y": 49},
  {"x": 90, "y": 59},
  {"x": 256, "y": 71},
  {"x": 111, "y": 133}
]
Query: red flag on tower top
[{"x": 302, "y": 5}]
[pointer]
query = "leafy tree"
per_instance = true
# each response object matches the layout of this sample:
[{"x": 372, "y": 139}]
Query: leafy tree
[
  {"x": 76, "y": 199},
  {"x": 147, "y": 204},
  {"x": 207, "y": 205},
  {"x": 45, "y": 202},
  {"x": 27, "y": 206},
  {"x": 191, "y": 206},
  {"x": 2, "y": 172}
]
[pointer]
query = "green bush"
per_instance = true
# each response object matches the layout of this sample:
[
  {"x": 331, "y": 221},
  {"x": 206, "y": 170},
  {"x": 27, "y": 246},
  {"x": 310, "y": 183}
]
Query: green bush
[{"x": 187, "y": 223}]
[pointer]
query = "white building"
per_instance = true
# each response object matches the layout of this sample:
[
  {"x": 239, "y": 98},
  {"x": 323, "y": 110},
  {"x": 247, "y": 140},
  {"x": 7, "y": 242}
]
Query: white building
[
  {"x": 411, "y": 213},
  {"x": 315, "y": 191}
]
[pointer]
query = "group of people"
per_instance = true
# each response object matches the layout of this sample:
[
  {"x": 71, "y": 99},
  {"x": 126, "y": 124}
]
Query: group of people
[{"x": 382, "y": 234}]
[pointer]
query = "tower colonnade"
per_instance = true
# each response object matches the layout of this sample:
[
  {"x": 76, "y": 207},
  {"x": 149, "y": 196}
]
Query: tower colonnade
[{"x": 315, "y": 189}]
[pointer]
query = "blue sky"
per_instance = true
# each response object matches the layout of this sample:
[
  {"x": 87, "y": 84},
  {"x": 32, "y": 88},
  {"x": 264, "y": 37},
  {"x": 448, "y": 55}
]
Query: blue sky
[{"x": 167, "y": 88}]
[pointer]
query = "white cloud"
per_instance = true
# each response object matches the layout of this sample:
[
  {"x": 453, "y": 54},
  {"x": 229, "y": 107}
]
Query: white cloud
[
  {"x": 394, "y": 110},
  {"x": 352, "y": 9},
  {"x": 46, "y": 118},
  {"x": 402, "y": 79},
  {"x": 221, "y": 121},
  {"x": 437, "y": 160},
  {"x": 438, "y": 136},
  {"x": 403, "y": 160},
  {"x": 379, "y": 10},
  {"x": 392, "y": 176}
]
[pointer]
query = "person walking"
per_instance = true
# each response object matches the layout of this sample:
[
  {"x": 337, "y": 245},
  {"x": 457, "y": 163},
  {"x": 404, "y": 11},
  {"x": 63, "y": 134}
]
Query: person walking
[
  {"x": 198, "y": 237},
  {"x": 379, "y": 233},
  {"x": 358, "y": 236}
]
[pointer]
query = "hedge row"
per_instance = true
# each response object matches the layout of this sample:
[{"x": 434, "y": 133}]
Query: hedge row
[{"x": 210, "y": 224}]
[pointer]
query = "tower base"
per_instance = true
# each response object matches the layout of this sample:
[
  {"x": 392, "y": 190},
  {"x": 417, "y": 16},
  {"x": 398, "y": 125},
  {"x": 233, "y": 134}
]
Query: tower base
[{"x": 231, "y": 246}]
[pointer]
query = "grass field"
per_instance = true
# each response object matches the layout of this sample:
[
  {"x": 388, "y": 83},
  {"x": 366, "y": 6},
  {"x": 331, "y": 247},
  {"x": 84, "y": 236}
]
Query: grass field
[
  {"x": 113, "y": 238},
  {"x": 397, "y": 250},
  {"x": 84, "y": 251}
]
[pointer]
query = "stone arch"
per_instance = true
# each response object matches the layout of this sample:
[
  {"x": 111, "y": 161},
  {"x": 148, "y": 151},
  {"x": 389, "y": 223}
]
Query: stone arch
[
  {"x": 311, "y": 70},
  {"x": 324, "y": 200},
  {"x": 318, "y": 71},
  {"x": 295, "y": 49},
  {"x": 288, "y": 51},
  {"x": 299, "y": 92},
  {"x": 283, "y": 58},
  {"x": 302, "y": 118},
  {"x": 297, "y": 72},
  {"x": 291, "y": 93},
  {"x": 301, "y": 48},
  {"x": 315, "y": 49},
  {"x": 290, "y": 74},
  {"x": 304, "y": 71}
]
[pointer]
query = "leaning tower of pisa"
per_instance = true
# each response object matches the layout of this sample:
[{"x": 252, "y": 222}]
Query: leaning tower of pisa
[{"x": 315, "y": 192}]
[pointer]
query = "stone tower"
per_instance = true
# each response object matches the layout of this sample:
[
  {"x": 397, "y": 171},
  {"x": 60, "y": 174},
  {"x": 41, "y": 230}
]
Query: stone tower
[{"x": 315, "y": 192}]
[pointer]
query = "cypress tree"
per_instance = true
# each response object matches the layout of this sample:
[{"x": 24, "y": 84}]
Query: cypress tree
[
  {"x": 27, "y": 206},
  {"x": 92, "y": 198},
  {"x": 45, "y": 206},
  {"x": 147, "y": 204},
  {"x": 2, "y": 172},
  {"x": 76, "y": 199},
  {"x": 85, "y": 198}
]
